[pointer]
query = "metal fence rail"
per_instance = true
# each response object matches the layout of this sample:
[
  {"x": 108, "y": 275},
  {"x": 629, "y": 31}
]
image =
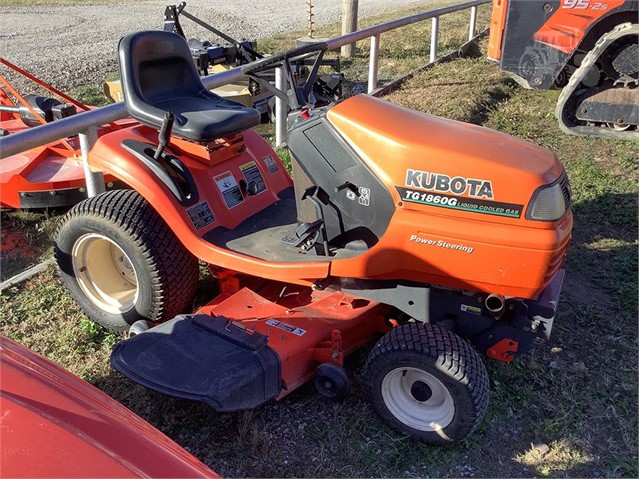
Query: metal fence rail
[{"x": 83, "y": 122}]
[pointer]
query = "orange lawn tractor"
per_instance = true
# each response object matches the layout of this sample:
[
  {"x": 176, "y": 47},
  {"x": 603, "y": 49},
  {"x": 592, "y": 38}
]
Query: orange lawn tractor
[{"x": 444, "y": 238}]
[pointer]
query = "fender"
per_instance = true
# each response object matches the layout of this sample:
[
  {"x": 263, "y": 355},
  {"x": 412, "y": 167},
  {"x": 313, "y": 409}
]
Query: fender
[{"x": 108, "y": 156}]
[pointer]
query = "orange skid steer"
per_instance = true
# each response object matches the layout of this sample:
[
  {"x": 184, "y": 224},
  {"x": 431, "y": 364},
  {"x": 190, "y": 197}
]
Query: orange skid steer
[{"x": 444, "y": 239}]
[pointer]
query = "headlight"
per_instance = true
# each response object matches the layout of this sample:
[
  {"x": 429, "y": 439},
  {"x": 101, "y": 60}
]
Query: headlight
[{"x": 550, "y": 202}]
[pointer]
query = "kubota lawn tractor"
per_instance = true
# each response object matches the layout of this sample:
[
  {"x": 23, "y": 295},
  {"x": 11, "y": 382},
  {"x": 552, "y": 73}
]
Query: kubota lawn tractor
[{"x": 445, "y": 239}]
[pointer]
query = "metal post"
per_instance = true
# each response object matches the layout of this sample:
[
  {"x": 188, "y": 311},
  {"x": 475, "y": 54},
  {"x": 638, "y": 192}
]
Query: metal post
[
  {"x": 473, "y": 23},
  {"x": 372, "y": 64},
  {"x": 94, "y": 179},
  {"x": 280, "y": 108},
  {"x": 349, "y": 24},
  {"x": 434, "y": 35}
]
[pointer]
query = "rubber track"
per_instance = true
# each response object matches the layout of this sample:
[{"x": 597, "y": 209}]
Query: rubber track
[
  {"x": 589, "y": 60},
  {"x": 453, "y": 354},
  {"x": 174, "y": 269}
]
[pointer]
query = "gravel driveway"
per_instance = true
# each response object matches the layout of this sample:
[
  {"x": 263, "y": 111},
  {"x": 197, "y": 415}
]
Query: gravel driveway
[{"x": 75, "y": 44}]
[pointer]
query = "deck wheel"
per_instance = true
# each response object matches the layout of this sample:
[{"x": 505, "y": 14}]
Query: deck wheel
[
  {"x": 331, "y": 381},
  {"x": 428, "y": 383},
  {"x": 122, "y": 263}
]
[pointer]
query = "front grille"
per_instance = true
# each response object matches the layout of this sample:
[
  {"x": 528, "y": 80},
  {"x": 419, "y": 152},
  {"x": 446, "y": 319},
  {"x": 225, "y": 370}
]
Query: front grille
[
  {"x": 565, "y": 190},
  {"x": 556, "y": 262}
]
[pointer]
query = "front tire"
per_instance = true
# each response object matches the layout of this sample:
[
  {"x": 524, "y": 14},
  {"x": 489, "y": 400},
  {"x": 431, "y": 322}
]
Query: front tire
[
  {"x": 426, "y": 382},
  {"x": 122, "y": 263}
]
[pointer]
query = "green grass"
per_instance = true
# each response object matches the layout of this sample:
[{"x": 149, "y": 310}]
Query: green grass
[{"x": 576, "y": 394}]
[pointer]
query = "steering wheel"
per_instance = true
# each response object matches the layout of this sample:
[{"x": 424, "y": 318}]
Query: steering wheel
[{"x": 272, "y": 61}]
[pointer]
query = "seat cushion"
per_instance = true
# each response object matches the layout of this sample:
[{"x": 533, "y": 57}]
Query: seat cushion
[
  {"x": 159, "y": 75},
  {"x": 208, "y": 117}
]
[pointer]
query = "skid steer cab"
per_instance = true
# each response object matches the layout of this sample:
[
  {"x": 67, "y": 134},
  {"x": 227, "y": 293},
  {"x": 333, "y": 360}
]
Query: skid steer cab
[{"x": 444, "y": 239}]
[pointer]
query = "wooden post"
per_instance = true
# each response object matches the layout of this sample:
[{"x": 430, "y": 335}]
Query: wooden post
[{"x": 349, "y": 24}]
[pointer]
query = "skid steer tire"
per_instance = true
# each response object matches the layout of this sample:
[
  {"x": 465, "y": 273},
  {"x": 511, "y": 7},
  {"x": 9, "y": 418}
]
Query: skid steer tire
[
  {"x": 428, "y": 383},
  {"x": 122, "y": 263}
]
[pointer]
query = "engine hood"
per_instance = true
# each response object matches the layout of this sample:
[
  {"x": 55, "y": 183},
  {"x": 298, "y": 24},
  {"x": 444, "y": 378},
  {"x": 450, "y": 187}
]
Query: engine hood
[{"x": 409, "y": 149}]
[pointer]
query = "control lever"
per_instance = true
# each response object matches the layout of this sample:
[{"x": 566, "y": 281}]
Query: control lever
[
  {"x": 165, "y": 134},
  {"x": 348, "y": 186}
]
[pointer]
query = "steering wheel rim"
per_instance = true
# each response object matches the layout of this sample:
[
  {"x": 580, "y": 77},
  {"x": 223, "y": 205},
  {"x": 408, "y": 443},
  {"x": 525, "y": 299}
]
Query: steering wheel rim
[{"x": 269, "y": 62}]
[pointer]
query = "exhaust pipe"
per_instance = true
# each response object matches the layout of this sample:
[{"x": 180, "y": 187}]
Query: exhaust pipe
[{"x": 495, "y": 303}]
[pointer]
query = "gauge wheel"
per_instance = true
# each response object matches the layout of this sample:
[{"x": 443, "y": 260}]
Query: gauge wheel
[
  {"x": 426, "y": 382},
  {"x": 331, "y": 381},
  {"x": 122, "y": 263}
]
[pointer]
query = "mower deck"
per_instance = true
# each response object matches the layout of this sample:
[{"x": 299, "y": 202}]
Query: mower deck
[
  {"x": 233, "y": 352},
  {"x": 44, "y": 177}
]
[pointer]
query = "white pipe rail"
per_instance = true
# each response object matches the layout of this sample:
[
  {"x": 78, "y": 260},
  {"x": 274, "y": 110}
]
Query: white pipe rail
[
  {"x": 281, "y": 110},
  {"x": 373, "y": 64},
  {"x": 434, "y": 39},
  {"x": 41, "y": 135},
  {"x": 473, "y": 23},
  {"x": 94, "y": 179}
]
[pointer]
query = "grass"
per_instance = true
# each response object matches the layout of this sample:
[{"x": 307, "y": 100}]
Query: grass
[{"x": 567, "y": 409}]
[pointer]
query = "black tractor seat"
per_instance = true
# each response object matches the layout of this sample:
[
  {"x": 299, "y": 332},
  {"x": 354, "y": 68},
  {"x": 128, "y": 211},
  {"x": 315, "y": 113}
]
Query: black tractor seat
[{"x": 159, "y": 76}]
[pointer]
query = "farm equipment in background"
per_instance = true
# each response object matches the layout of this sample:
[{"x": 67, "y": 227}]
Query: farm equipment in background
[
  {"x": 51, "y": 175},
  {"x": 587, "y": 48},
  {"x": 394, "y": 223},
  {"x": 211, "y": 58}
]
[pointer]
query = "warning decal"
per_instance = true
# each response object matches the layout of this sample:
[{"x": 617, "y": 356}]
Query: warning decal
[
  {"x": 252, "y": 174},
  {"x": 201, "y": 215},
  {"x": 286, "y": 327},
  {"x": 227, "y": 185},
  {"x": 271, "y": 164}
]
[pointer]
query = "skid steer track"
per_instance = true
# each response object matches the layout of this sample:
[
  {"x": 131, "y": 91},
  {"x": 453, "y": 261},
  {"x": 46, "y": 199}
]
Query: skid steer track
[{"x": 564, "y": 110}]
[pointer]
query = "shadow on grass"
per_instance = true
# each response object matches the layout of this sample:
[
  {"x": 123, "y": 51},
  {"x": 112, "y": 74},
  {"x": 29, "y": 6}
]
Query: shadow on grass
[
  {"x": 499, "y": 93},
  {"x": 605, "y": 246},
  {"x": 303, "y": 435},
  {"x": 25, "y": 238}
]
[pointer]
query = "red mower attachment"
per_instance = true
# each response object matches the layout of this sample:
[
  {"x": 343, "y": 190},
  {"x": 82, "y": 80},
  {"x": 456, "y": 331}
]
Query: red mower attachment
[{"x": 51, "y": 175}]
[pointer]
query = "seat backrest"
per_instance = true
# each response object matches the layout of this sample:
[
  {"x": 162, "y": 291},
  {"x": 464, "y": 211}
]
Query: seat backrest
[{"x": 155, "y": 65}]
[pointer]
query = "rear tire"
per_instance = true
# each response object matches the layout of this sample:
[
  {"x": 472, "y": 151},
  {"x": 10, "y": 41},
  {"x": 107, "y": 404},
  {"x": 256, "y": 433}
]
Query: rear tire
[
  {"x": 122, "y": 263},
  {"x": 426, "y": 382}
]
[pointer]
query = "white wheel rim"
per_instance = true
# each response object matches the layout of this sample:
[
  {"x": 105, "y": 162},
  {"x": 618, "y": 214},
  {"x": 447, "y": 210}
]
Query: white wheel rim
[
  {"x": 418, "y": 399},
  {"x": 105, "y": 273}
]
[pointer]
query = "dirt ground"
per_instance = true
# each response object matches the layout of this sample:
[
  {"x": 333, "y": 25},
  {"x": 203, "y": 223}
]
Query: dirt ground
[{"x": 74, "y": 44}]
